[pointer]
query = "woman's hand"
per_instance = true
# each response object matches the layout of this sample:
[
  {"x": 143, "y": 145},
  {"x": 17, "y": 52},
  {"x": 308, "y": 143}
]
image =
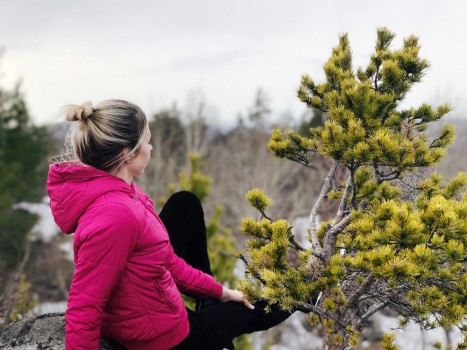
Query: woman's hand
[{"x": 235, "y": 295}]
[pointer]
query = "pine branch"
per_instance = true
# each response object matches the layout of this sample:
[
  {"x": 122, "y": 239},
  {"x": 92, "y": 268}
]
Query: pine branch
[
  {"x": 377, "y": 172},
  {"x": 377, "y": 77},
  {"x": 305, "y": 307},
  {"x": 320, "y": 95},
  {"x": 432, "y": 233},
  {"x": 404, "y": 309},
  {"x": 360, "y": 291},
  {"x": 433, "y": 143},
  {"x": 443, "y": 284},
  {"x": 354, "y": 192},
  {"x": 331, "y": 236},
  {"x": 312, "y": 219},
  {"x": 255, "y": 273},
  {"x": 415, "y": 188},
  {"x": 389, "y": 176},
  {"x": 340, "y": 225},
  {"x": 382, "y": 292},
  {"x": 294, "y": 243},
  {"x": 296, "y": 157},
  {"x": 317, "y": 254},
  {"x": 263, "y": 215},
  {"x": 372, "y": 311},
  {"x": 344, "y": 199}
]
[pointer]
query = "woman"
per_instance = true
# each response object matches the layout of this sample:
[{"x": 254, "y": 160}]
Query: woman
[{"x": 127, "y": 280}]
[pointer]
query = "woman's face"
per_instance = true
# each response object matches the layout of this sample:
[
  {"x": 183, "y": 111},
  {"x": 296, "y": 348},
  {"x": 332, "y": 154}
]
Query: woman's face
[{"x": 139, "y": 163}]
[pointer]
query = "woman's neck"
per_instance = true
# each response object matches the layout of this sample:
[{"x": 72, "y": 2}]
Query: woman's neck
[{"x": 123, "y": 174}]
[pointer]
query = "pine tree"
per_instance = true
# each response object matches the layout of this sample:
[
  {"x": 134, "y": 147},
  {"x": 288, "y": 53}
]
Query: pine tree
[
  {"x": 382, "y": 248},
  {"x": 23, "y": 149},
  {"x": 22, "y": 301}
]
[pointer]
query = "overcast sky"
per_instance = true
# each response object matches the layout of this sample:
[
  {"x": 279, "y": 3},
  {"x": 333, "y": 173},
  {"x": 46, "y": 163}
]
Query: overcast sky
[{"x": 155, "y": 52}]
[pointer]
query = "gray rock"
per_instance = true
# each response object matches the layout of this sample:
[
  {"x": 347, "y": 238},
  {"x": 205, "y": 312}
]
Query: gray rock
[{"x": 44, "y": 332}]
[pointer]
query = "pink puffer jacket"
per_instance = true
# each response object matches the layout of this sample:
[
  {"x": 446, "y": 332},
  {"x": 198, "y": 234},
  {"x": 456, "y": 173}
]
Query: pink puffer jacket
[{"x": 127, "y": 278}]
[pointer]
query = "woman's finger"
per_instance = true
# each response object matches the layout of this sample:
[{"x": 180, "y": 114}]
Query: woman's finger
[{"x": 247, "y": 303}]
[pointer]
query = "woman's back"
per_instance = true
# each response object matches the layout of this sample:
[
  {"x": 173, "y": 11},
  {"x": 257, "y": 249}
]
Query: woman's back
[{"x": 123, "y": 258}]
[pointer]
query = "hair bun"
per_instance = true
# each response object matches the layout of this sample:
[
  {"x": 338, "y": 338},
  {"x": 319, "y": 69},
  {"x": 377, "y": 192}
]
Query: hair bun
[
  {"x": 78, "y": 112},
  {"x": 88, "y": 109}
]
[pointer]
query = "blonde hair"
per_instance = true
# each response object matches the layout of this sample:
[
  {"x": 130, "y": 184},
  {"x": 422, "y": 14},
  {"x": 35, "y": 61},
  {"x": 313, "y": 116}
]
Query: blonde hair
[{"x": 100, "y": 134}]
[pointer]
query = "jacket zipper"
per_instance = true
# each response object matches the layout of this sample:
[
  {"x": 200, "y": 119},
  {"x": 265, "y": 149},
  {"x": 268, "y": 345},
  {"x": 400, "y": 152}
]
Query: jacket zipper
[
  {"x": 166, "y": 298},
  {"x": 135, "y": 196},
  {"x": 133, "y": 192}
]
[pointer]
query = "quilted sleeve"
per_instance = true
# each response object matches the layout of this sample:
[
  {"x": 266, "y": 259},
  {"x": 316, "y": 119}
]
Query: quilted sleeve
[{"x": 192, "y": 281}]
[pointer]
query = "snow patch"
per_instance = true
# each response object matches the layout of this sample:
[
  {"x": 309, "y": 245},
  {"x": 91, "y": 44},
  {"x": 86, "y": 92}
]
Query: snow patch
[
  {"x": 300, "y": 230},
  {"x": 50, "y": 307},
  {"x": 45, "y": 229},
  {"x": 412, "y": 337}
]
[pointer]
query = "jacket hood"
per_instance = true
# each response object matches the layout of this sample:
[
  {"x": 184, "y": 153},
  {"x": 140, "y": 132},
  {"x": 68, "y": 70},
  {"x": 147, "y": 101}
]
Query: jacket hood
[{"x": 73, "y": 187}]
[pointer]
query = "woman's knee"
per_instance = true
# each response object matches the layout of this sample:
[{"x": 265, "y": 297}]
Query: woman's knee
[
  {"x": 184, "y": 200},
  {"x": 183, "y": 217}
]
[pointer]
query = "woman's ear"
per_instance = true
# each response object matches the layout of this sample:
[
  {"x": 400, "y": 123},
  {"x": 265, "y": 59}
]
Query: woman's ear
[{"x": 124, "y": 155}]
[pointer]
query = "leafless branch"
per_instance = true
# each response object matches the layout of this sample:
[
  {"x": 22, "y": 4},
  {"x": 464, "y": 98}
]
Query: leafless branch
[
  {"x": 360, "y": 291},
  {"x": 340, "y": 225},
  {"x": 294, "y": 243},
  {"x": 306, "y": 307},
  {"x": 372, "y": 311},
  {"x": 344, "y": 200},
  {"x": 312, "y": 219}
]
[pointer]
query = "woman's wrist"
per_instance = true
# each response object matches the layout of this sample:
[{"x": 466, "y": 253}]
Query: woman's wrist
[{"x": 225, "y": 294}]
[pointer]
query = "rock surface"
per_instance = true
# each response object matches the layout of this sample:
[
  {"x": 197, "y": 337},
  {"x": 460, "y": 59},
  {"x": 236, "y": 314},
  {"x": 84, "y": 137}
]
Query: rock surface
[{"x": 45, "y": 332}]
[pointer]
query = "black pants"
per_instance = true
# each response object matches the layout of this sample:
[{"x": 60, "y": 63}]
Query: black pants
[{"x": 215, "y": 326}]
